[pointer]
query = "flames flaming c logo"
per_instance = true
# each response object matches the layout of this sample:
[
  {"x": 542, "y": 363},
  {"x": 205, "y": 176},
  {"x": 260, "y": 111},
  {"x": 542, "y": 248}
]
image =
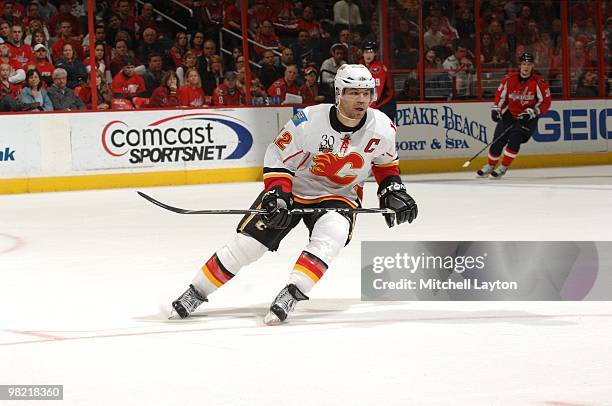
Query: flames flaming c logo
[{"x": 328, "y": 165}]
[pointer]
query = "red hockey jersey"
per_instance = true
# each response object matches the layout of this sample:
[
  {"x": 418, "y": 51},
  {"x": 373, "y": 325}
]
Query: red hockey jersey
[{"x": 517, "y": 95}]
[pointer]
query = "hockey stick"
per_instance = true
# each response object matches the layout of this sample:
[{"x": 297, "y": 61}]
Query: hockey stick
[
  {"x": 261, "y": 211},
  {"x": 469, "y": 161}
]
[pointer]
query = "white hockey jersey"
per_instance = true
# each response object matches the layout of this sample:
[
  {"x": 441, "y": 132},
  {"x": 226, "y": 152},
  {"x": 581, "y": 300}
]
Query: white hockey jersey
[{"x": 316, "y": 162}]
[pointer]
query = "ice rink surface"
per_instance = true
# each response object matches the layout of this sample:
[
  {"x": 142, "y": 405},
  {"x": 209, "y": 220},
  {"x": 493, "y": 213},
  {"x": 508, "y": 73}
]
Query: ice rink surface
[{"x": 83, "y": 276}]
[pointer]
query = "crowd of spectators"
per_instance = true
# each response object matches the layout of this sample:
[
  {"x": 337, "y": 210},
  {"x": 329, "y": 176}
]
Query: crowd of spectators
[
  {"x": 145, "y": 60},
  {"x": 506, "y": 28}
]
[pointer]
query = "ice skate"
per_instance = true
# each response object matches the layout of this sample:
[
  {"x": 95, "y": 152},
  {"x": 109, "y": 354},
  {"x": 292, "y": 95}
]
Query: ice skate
[
  {"x": 499, "y": 171},
  {"x": 187, "y": 303},
  {"x": 485, "y": 171},
  {"x": 283, "y": 304}
]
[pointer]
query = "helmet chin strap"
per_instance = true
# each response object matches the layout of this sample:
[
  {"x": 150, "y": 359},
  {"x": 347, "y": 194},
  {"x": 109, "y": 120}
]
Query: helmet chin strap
[{"x": 351, "y": 121}]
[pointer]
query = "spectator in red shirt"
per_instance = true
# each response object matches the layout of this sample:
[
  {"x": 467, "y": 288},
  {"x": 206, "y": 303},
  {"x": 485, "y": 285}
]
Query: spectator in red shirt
[
  {"x": 308, "y": 23},
  {"x": 197, "y": 44},
  {"x": 279, "y": 89},
  {"x": 179, "y": 48},
  {"x": 128, "y": 84},
  {"x": 64, "y": 14},
  {"x": 13, "y": 12},
  {"x": 65, "y": 37},
  {"x": 258, "y": 13},
  {"x": 20, "y": 52},
  {"x": 266, "y": 37},
  {"x": 232, "y": 16},
  {"x": 122, "y": 53},
  {"x": 310, "y": 89},
  {"x": 210, "y": 14},
  {"x": 103, "y": 92},
  {"x": 99, "y": 53},
  {"x": 145, "y": 20},
  {"x": 227, "y": 94},
  {"x": 191, "y": 94},
  {"x": 128, "y": 22},
  {"x": 43, "y": 66},
  {"x": 166, "y": 94},
  {"x": 6, "y": 82}
]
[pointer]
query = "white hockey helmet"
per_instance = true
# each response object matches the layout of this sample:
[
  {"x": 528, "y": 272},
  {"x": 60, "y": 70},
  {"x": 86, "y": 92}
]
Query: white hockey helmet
[{"x": 354, "y": 77}]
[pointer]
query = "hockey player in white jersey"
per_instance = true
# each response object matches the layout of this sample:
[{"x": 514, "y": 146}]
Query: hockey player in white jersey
[{"x": 320, "y": 158}]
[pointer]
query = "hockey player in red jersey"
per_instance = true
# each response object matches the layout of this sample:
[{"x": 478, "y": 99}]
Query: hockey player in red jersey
[
  {"x": 321, "y": 158},
  {"x": 385, "y": 101},
  {"x": 521, "y": 98}
]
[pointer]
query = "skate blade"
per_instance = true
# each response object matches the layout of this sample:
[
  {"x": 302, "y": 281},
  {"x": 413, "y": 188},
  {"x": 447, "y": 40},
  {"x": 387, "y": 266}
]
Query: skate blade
[{"x": 272, "y": 319}]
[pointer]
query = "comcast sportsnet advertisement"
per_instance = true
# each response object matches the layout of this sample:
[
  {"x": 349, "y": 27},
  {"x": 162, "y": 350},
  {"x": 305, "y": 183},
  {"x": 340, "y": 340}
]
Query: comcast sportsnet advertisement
[{"x": 207, "y": 139}]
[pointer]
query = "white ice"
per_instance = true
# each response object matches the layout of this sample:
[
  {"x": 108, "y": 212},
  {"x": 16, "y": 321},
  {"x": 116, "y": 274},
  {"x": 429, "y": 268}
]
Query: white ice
[{"x": 83, "y": 276}]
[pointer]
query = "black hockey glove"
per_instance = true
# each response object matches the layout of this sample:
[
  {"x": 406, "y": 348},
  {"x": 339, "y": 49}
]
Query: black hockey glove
[
  {"x": 277, "y": 204},
  {"x": 496, "y": 115},
  {"x": 394, "y": 196},
  {"x": 526, "y": 116}
]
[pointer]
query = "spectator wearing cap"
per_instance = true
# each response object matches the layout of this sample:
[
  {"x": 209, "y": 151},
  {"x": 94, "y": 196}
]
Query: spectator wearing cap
[
  {"x": 42, "y": 64},
  {"x": 128, "y": 84},
  {"x": 153, "y": 74},
  {"x": 287, "y": 84},
  {"x": 77, "y": 73},
  {"x": 191, "y": 93},
  {"x": 346, "y": 12},
  {"x": 330, "y": 66},
  {"x": 385, "y": 100},
  {"x": 310, "y": 89},
  {"x": 65, "y": 37},
  {"x": 62, "y": 97},
  {"x": 166, "y": 95},
  {"x": 227, "y": 94}
]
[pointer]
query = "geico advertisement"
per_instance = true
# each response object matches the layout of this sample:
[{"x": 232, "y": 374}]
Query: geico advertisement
[
  {"x": 195, "y": 140},
  {"x": 20, "y": 152},
  {"x": 462, "y": 129}
]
